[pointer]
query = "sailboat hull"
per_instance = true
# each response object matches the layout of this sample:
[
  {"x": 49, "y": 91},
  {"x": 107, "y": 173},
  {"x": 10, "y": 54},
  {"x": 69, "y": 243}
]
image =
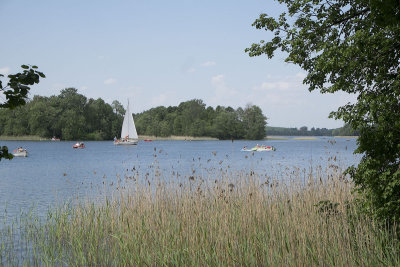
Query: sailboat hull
[
  {"x": 129, "y": 142},
  {"x": 128, "y": 132}
]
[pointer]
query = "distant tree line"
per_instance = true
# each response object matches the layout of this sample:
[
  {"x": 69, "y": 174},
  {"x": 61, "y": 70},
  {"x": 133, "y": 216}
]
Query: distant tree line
[
  {"x": 68, "y": 116},
  {"x": 71, "y": 116},
  {"x": 346, "y": 130},
  {"x": 193, "y": 118}
]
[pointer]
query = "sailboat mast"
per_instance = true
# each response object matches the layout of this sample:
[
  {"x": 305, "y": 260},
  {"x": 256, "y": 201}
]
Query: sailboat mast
[{"x": 128, "y": 120}]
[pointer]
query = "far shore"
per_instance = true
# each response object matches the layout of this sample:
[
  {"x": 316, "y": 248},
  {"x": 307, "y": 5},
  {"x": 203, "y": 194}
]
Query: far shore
[
  {"x": 175, "y": 137},
  {"x": 305, "y": 138},
  {"x": 23, "y": 138},
  {"x": 141, "y": 137},
  {"x": 159, "y": 138}
]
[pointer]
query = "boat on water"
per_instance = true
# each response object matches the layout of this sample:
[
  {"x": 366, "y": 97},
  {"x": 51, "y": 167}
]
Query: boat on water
[
  {"x": 20, "y": 152},
  {"x": 266, "y": 148},
  {"x": 128, "y": 132},
  {"x": 259, "y": 148},
  {"x": 55, "y": 139},
  {"x": 148, "y": 140},
  {"x": 79, "y": 145}
]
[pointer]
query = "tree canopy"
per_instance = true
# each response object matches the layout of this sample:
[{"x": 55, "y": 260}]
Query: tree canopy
[
  {"x": 193, "y": 118},
  {"x": 354, "y": 47},
  {"x": 16, "y": 93},
  {"x": 346, "y": 130},
  {"x": 69, "y": 115}
]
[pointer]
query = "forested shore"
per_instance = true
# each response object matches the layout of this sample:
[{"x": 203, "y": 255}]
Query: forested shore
[
  {"x": 346, "y": 130},
  {"x": 68, "y": 116},
  {"x": 71, "y": 116}
]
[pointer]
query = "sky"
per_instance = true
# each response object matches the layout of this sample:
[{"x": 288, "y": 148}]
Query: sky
[{"x": 160, "y": 53}]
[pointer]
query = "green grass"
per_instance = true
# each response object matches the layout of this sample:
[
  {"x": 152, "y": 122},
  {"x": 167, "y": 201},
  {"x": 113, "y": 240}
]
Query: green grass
[
  {"x": 276, "y": 138},
  {"x": 174, "y": 137},
  {"x": 23, "y": 138},
  {"x": 305, "y": 138},
  {"x": 253, "y": 221}
]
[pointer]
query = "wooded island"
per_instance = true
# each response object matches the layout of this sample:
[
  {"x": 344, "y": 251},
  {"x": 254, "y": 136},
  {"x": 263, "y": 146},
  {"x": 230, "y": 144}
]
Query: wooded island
[{"x": 72, "y": 116}]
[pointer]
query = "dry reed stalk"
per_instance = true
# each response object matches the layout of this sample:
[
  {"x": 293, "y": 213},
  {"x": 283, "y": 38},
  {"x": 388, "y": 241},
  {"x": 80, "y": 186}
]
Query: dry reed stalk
[{"x": 241, "y": 220}]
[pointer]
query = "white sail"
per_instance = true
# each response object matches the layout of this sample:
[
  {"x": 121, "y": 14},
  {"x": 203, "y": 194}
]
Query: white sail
[
  {"x": 128, "y": 133},
  {"x": 128, "y": 126}
]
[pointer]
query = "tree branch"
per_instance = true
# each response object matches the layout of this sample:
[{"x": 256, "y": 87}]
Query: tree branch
[{"x": 350, "y": 17}]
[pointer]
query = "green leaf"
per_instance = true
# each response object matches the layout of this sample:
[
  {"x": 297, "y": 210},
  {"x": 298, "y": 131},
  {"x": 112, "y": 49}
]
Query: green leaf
[
  {"x": 25, "y": 67},
  {"x": 353, "y": 47}
]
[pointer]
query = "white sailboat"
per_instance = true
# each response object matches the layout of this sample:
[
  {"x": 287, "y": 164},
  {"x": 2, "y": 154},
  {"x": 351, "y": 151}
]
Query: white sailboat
[{"x": 128, "y": 133}]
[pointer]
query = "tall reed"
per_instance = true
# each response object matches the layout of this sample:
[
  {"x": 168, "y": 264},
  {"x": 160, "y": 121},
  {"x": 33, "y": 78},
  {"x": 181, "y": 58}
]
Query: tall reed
[{"x": 308, "y": 221}]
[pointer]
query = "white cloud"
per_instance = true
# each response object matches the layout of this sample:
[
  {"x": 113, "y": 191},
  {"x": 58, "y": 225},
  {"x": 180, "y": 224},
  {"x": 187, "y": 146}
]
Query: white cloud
[
  {"x": 280, "y": 85},
  {"x": 218, "y": 80},
  {"x": 286, "y": 101},
  {"x": 159, "y": 100},
  {"x": 286, "y": 91},
  {"x": 110, "y": 81},
  {"x": 208, "y": 64},
  {"x": 166, "y": 98},
  {"x": 223, "y": 95},
  {"x": 5, "y": 71}
]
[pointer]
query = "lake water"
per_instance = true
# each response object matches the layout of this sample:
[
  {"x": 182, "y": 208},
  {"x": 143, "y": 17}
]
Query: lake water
[{"x": 56, "y": 173}]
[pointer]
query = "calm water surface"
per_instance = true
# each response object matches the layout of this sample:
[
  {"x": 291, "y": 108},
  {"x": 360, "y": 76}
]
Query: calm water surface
[{"x": 55, "y": 173}]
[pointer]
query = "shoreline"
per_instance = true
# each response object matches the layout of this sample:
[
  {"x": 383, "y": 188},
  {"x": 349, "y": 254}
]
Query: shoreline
[
  {"x": 177, "y": 138},
  {"x": 170, "y": 138},
  {"x": 23, "y": 138}
]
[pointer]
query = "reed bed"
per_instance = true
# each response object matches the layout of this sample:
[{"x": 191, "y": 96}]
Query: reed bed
[
  {"x": 227, "y": 221},
  {"x": 23, "y": 138}
]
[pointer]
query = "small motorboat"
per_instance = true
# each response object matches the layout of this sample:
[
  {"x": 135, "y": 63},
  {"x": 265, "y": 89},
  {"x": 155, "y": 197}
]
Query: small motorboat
[
  {"x": 20, "y": 152},
  {"x": 79, "y": 145},
  {"x": 259, "y": 148},
  {"x": 266, "y": 148},
  {"x": 148, "y": 140}
]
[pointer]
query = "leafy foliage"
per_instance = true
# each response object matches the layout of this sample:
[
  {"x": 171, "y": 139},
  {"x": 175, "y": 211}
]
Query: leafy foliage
[
  {"x": 16, "y": 92},
  {"x": 192, "y": 118},
  {"x": 69, "y": 115},
  {"x": 354, "y": 47},
  {"x": 346, "y": 130},
  {"x": 17, "y": 89}
]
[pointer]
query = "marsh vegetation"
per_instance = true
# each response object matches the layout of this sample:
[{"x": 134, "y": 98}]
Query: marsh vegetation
[{"x": 229, "y": 219}]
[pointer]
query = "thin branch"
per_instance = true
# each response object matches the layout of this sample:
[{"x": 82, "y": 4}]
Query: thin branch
[{"x": 350, "y": 17}]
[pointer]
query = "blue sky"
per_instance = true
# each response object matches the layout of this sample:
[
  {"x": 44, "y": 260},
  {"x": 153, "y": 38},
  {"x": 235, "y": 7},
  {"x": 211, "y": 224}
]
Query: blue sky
[{"x": 160, "y": 53}]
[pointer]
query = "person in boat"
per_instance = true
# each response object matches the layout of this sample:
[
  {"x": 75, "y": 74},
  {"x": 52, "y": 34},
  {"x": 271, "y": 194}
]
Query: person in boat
[
  {"x": 20, "y": 149},
  {"x": 245, "y": 148}
]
